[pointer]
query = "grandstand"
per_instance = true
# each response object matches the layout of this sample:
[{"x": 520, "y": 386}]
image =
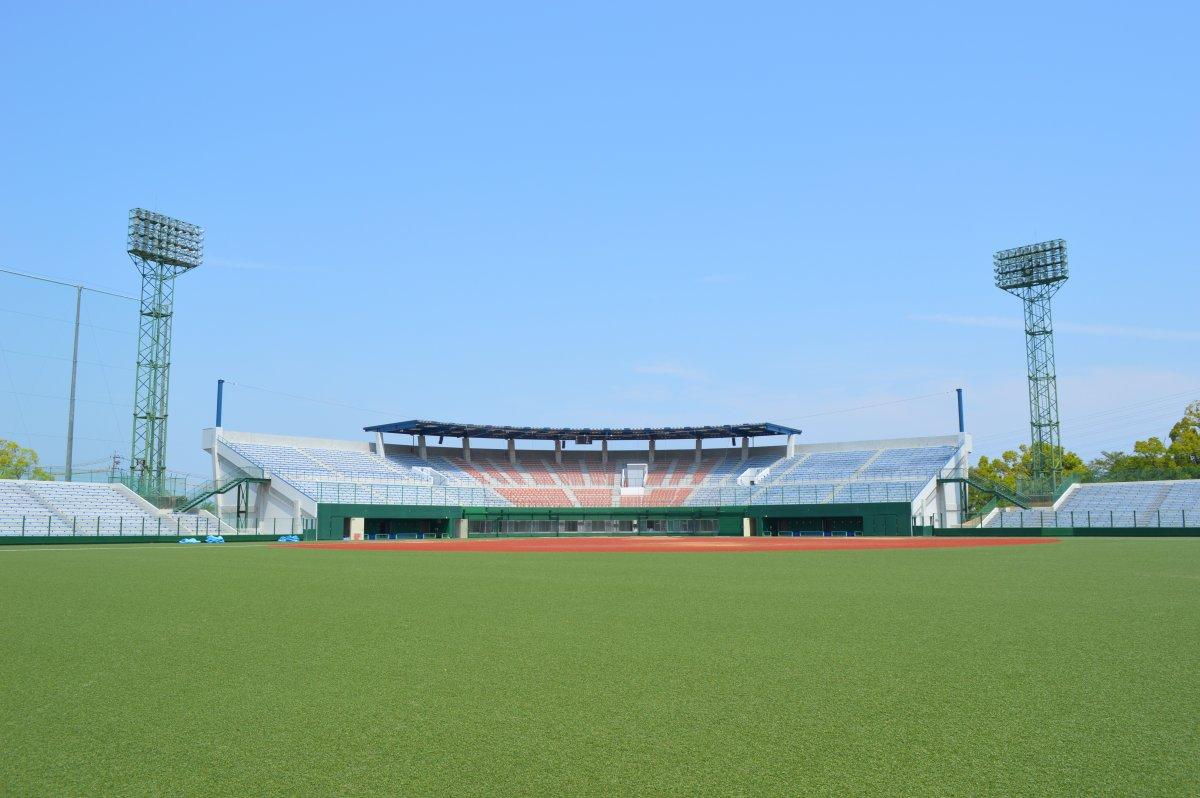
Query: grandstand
[
  {"x": 32, "y": 508},
  {"x": 1163, "y": 503},
  {"x": 366, "y": 488},
  {"x": 362, "y": 489}
]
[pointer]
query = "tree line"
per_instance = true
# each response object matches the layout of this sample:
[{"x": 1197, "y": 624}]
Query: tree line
[{"x": 1176, "y": 458}]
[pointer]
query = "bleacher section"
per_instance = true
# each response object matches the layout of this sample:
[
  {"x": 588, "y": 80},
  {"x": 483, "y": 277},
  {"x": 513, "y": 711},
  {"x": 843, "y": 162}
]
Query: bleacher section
[
  {"x": 724, "y": 466},
  {"x": 361, "y": 477},
  {"x": 917, "y": 461},
  {"x": 820, "y": 466},
  {"x": 34, "y": 508},
  {"x": 885, "y": 474},
  {"x": 888, "y": 472},
  {"x": 594, "y": 497},
  {"x": 1170, "y": 503},
  {"x": 357, "y": 463},
  {"x": 537, "y": 497}
]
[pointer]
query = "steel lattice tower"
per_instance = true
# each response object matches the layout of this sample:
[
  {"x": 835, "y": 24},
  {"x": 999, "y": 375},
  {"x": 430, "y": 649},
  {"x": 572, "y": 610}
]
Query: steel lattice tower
[
  {"x": 1035, "y": 273},
  {"x": 162, "y": 248}
]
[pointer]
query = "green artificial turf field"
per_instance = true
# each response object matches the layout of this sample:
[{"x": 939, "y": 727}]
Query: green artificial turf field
[{"x": 1064, "y": 669}]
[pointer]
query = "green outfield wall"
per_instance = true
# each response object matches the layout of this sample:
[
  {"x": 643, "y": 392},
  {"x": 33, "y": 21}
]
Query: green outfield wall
[
  {"x": 870, "y": 519},
  {"x": 1064, "y": 532}
]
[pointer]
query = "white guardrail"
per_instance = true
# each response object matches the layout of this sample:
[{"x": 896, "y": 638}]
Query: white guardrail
[{"x": 48, "y": 525}]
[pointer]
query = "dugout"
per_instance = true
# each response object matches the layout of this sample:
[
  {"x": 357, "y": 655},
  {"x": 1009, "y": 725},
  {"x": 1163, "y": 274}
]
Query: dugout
[
  {"x": 384, "y": 521},
  {"x": 884, "y": 518},
  {"x": 399, "y": 528}
]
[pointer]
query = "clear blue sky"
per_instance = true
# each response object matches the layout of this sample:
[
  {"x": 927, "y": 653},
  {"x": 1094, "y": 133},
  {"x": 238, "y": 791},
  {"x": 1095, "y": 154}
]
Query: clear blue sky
[{"x": 629, "y": 213}]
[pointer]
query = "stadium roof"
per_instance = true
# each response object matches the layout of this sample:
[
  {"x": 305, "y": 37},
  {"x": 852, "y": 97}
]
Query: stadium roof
[{"x": 453, "y": 430}]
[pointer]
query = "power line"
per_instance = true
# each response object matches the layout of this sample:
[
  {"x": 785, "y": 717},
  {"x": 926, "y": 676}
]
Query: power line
[
  {"x": 107, "y": 387},
  {"x": 1094, "y": 430},
  {"x": 868, "y": 407},
  {"x": 57, "y": 435},
  {"x": 64, "y": 321},
  {"x": 63, "y": 358},
  {"x": 1164, "y": 421},
  {"x": 45, "y": 279},
  {"x": 64, "y": 398},
  {"x": 1112, "y": 410},
  {"x": 388, "y": 413},
  {"x": 1087, "y": 435},
  {"x": 1080, "y": 423},
  {"x": 13, "y": 383}
]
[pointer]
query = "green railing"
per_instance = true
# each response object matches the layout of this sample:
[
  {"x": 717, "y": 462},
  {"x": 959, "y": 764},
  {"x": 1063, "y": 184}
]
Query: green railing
[
  {"x": 997, "y": 489},
  {"x": 891, "y": 489},
  {"x": 107, "y": 526},
  {"x": 213, "y": 487},
  {"x": 251, "y": 525},
  {"x": 144, "y": 526},
  {"x": 174, "y": 484},
  {"x": 1045, "y": 518}
]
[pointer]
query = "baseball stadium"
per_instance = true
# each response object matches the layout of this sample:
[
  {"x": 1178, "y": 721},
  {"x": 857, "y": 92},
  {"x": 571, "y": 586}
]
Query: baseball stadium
[
  {"x": 568, "y": 399},
  {"x": 432, "y": 607}
]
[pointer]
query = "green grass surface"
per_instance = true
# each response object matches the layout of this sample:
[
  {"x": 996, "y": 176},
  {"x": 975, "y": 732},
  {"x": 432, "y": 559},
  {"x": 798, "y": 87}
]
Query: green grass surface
[{"x": 1067, "y": 669}]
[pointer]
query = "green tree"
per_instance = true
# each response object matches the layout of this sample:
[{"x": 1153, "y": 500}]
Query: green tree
[
  {"x": 1106, "y": 464},
  {"x": 17, "y": 462},
  {"x": 1014, "y": 467},
  {"x": 1179, "y": 458},
  {"x": 1185, "y": 440}
]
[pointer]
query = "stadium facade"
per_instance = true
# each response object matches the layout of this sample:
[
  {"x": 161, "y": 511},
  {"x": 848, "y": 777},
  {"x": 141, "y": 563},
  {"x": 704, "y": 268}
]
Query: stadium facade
[
  {"x": 537, "y": 480},
  {"x": 570, "y": 482}
]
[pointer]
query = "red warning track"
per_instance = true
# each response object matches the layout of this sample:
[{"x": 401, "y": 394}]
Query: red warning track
[{"x": 667, "y": 544}]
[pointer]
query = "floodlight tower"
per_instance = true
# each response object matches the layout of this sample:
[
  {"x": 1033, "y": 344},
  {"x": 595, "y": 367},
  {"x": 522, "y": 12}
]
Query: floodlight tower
[
  {"x": 162, "y": 248},
  {"x": 1035, "y": 273}
]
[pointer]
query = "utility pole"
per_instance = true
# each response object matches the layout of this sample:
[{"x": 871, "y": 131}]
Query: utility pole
[{"x": 74, "y": 375}]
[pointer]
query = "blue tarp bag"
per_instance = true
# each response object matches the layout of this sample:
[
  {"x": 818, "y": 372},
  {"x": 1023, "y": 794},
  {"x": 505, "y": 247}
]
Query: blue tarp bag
[
  {"x": 189, "y": 540},
  {"x": 214, "y": 539},
  {"x": 289, "y": 538}
]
